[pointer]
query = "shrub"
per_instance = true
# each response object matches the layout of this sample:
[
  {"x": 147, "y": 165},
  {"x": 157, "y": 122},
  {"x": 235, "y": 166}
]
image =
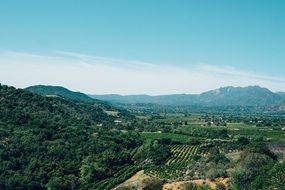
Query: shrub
[
  {"x": 221, "y": 186},
  {"x": 152, "y": 184},
  {"x": 189, "y": 186}
]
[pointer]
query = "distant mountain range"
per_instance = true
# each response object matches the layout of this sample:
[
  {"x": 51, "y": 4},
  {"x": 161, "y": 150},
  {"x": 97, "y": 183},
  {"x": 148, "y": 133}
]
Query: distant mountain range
[{"x": 225, "y": 96}]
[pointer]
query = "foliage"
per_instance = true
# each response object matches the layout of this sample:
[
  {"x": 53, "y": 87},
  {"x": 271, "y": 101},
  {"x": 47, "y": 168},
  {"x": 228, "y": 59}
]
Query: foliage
[
  {"x": 54, "y": 143},
  {"x": 154, "y": 152},
  {"x": 221, "y": 186},
  {"x": 152, "y": 184},
  {"x": 277, "y": 176},
  {"x": 65, "y": 143},
  {"x": 189, "y": 186},
  {"x": 61, "y": 92},
  {"x": 253, "y": 168}
]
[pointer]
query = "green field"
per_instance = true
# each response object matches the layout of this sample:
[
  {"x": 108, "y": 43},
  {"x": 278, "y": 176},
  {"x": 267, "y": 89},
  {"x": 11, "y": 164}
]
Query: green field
[{"x": 194, "y": 122}]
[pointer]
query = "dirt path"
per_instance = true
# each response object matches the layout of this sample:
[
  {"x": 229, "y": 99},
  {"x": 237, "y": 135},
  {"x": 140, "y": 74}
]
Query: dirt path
[
  {"x": 212, "y": 184},
  {"x": 137, "y": 179}
]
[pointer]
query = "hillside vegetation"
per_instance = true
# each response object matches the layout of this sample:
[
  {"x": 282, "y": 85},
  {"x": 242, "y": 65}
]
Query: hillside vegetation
[
  {"x": 56, "y": 142},
  {"x": 53, "y": 143},
  {"x": 61, "y": 92}
]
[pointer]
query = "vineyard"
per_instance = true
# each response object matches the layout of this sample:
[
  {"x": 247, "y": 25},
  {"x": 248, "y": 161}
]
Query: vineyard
[
  {"x": 183, "y": 153},
  {"x": 176, "y": 165}
]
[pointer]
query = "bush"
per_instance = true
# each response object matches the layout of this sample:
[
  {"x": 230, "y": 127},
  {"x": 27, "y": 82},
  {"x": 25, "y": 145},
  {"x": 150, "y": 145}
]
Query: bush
[
  {"x": 221, "y": 186},
  {"x": 261, "y": 148},
  {"x": 240, "y": 179},
  {"x": 152, "y": 184},
  {"x": 253, "y": 169},
  {"x": 127, "y": 188},
  {"x": 214, "y": 173},
  {"x": 277, "y": 176},
  {"x": 189, "y": 186},
  {"x": 243, "y": 140},
  {"x": 204, "y": 187}
]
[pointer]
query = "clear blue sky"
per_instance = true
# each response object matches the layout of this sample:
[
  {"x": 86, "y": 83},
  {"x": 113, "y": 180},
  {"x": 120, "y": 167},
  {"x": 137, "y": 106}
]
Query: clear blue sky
[{"x": 245, "y": 34}]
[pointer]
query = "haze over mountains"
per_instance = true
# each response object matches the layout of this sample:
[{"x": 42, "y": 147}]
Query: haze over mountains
[{"x": 225, "y": 96}]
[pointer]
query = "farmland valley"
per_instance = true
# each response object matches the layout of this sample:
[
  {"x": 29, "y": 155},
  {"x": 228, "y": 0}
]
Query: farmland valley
[{"x": 53, "y": 138}]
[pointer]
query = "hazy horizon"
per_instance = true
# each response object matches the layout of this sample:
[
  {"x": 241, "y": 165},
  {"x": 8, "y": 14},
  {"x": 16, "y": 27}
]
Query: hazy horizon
[
  {"x": 74, "y": 90},
  {"x": 99, "y": 75},
  {"x": 146, "y": 47}
]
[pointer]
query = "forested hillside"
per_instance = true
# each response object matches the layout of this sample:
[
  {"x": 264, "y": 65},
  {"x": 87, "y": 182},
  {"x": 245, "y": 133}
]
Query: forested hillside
[
  {"x": 55, "y": 143},
  {"x": 61, "y": 92}
]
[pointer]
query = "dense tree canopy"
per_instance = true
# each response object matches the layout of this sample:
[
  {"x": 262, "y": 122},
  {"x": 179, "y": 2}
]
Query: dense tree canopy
[{"x": 54, "y": 143}]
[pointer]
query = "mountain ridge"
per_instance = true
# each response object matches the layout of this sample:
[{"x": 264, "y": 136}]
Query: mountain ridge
[
  {"x": 224, "y": 96},
  {"x": 60, "y": 91}
]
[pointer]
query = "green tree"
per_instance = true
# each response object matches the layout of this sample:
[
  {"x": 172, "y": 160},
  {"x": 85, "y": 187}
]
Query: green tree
[{"x": 277, "y": 176}]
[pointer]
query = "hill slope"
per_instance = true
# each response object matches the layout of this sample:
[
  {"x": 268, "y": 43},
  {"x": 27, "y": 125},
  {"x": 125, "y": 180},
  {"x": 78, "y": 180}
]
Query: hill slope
[
  {"x": 282, "y": 94},
  {"x": 238, "y": 96},
  {"x": 53, "y": 143},
  {"x": 62, "y": 92}
]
